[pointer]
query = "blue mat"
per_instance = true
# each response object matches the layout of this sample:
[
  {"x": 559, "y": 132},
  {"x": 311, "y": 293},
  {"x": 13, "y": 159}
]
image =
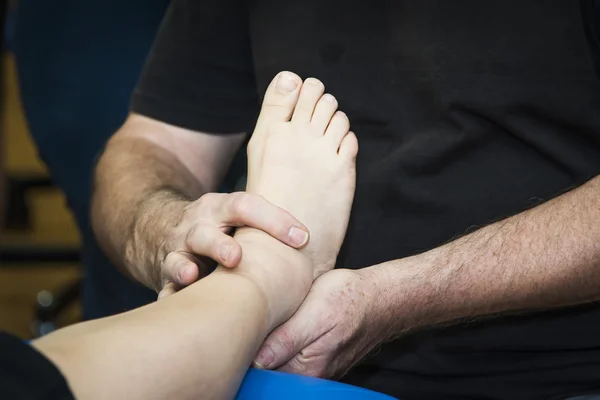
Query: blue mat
[{"x": 272, "y": 385}]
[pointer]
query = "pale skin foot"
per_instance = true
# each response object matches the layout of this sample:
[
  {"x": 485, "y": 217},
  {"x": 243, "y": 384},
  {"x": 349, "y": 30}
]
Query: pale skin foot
[{"x": 301, "y": 158}]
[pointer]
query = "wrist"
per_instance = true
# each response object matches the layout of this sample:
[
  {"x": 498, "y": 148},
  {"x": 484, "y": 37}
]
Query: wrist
[
  {"x": 153, "y": 235},
  {"x": 402, "y": 294},
  {"x": 423, "y": 290},
  {"x": 379, "y": 301}
]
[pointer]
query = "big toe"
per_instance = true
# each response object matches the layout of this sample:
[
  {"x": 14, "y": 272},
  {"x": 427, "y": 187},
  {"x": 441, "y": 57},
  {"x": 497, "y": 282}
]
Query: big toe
[{"x": 281, "y": 97}]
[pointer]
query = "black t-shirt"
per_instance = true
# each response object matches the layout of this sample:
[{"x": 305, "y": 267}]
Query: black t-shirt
[
  {"x": 466, "y": 112},
  {"x": 27, "y": 374}
]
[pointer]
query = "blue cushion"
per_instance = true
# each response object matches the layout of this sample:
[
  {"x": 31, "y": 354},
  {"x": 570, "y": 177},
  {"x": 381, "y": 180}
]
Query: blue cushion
[{"x": 272, "y": 385}]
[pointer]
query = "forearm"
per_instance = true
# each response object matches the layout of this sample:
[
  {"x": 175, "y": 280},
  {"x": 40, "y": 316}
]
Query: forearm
[
  {"x": 545, "y": 257},
  {"x": 197, "y": 343},
  {"x": 139, "y": 196}
]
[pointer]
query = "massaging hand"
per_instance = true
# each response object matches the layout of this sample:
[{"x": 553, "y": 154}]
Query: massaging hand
[
  {"x": 332, "y": 331},
  {"x": 203, "y": 235}
]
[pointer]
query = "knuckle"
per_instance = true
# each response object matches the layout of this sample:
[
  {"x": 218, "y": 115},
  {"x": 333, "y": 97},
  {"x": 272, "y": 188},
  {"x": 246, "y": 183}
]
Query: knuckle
[
  {"x": 196, "y": 235},
  {"x": 170, "y": 259},
  {"x": 319, "y": 367},
  {"x": 208, "y": 197},
  {"x": 206, "y": 204},
  {"x": 297, "y": 365},
  {"x": 286, "y": 341},
  {"x": 278, "y": 226},
  {"x": 203, "y": 201},
  {"x": 191, "y": 234},
  {"x": 243, "y": 204}
]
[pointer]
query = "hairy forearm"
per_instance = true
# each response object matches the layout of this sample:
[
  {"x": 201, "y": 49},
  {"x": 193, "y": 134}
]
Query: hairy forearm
[
  {"x": 139, "y": 196},
  {"x": 545, "y": 257}
]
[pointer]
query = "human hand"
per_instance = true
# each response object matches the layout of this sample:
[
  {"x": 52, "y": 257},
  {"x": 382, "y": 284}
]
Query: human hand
[
  {"x": 332, "y": 330},
  {"x": 202, "y": 237}
]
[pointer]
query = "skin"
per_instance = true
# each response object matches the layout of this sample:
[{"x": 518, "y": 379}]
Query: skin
[
  {"x": 200, "y": 341},
  {"x": 545, "y": 257},
  {"x": 175, "y": 348},
  {"x": 153, "y": 210}
]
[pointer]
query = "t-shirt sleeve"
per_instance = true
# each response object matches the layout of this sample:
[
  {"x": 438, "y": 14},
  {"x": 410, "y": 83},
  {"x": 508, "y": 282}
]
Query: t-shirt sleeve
[
  {"x": 27, "y": 374},
  {"x": 199, "y": 74}
]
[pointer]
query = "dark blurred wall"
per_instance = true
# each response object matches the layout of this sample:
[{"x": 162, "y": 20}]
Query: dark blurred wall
[{"x": 78, "y": 62}]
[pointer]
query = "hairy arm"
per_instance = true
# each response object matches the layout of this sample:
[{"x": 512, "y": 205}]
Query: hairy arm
[
  {"x": 147, "y": 176},
  {"x": 545, "y": 257}
]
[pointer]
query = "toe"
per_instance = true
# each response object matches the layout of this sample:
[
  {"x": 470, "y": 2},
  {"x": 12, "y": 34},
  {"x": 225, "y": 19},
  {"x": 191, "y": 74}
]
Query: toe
[
  {"x": 323, "y": 112},
  {"x": 349, "y": 146},
  {"x": 281, "y": 97},
  {"x": 311, "y": 92},
  {"x": 337, "y": 129}
]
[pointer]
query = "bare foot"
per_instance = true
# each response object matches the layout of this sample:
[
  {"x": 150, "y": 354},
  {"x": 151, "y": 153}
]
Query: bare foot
[{"x": 301, "y": 157}]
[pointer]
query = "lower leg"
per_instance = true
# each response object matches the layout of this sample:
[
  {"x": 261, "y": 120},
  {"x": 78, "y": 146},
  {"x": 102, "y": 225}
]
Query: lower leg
[{"x": 197, "y": 343}]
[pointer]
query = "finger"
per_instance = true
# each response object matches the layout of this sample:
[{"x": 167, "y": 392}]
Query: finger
[
  {"x": 287, "y": 341},
  {"x": 303, "y": 365},
  {"x": 169, "y": 289},
  {"x": 180, "y": 267},
  {"x": 246, "y": 209},
  {"x": 210, "y": 241},
  {"x": 296, "y": 366}
]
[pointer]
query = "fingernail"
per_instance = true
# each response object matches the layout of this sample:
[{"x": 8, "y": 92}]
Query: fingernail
[
  {"x": 264, "y": 358},
  {"x": 224, "y": 252},
  {"x": 187, "y": 272},
  {"x": 298, "y": 237},
  {"x": 286, "y": 83},
  {"x": 184, "y": 273}
]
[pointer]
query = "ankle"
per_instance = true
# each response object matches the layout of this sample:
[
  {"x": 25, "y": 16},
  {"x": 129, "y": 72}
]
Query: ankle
[{"x": 283, "y": 273}]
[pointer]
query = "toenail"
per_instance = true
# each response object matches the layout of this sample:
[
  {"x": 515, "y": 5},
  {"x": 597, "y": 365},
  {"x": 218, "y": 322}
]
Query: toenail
[
  {"x": 313, "y": 81},
  {"x": 286, "y": 83},
  {"x": 329, "y": 98}
]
